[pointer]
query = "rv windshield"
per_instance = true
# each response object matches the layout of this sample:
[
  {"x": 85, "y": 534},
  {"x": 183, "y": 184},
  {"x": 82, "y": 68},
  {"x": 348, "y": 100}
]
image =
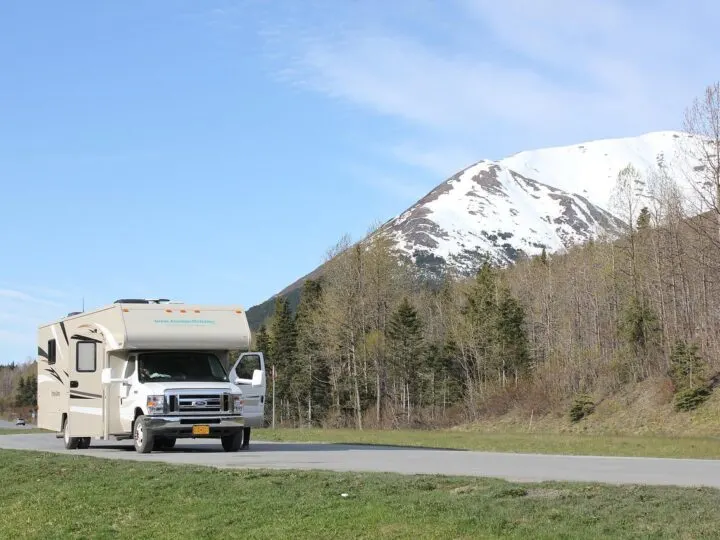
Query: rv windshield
[{"x": 179, "y": 366}]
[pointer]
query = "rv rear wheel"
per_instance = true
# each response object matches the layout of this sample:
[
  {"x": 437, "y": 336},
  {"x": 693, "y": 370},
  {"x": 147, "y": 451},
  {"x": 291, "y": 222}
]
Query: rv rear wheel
[
  {"x": 71, "y": 443},
  {"x": 142, "y": 436},
  {"x": 84, "y": 442}
]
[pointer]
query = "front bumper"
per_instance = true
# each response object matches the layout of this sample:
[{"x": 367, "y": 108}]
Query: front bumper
[{"x": 182, "y": 426}]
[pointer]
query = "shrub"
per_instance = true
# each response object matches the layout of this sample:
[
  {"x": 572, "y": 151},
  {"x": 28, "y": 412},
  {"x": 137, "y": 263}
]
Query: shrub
[
  {"x": 582, "y": 406},
  {"x": 689, "y": 399}
]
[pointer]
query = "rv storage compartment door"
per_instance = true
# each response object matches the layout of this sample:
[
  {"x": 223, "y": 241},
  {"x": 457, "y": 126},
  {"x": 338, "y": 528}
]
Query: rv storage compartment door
[{"x": 85, "y": 407}]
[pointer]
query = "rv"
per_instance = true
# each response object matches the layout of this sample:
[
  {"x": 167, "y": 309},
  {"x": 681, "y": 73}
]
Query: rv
[{"x": 151, "y": 371}]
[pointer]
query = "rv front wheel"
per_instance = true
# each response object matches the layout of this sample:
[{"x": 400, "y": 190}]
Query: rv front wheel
[
  {"x": 71, "y": 443},
  {"x": 232, "y": 443},
  {"x": 142, "y": 436}
]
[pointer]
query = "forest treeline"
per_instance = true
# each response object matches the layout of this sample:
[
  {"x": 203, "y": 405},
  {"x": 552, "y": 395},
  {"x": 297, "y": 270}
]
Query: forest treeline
[
  {"x": 373, "y": 344},
  {"x": 18, "y": 388}
]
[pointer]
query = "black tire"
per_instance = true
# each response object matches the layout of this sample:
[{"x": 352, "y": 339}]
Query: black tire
[
  {"x": 71, "y": 443},
  {"x": 232, "y": 443},
  {"x": 142, "y": 437},
  {"x": 84, "y": 443},
  {"x": 246, "y": 438}
]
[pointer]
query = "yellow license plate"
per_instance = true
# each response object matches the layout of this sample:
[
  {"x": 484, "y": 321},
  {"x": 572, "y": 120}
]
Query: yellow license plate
[{"x": 201, "y": 430}]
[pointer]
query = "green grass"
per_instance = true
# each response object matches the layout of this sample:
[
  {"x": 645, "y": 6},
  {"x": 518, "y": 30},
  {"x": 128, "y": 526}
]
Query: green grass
[
  {"x": 56, "y": 496},
  {"x": 543, "y": 443}
]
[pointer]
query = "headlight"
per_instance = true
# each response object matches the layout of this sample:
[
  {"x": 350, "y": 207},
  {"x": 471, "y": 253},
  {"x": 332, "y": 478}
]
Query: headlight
[
  {"x": 237, "y": 403},
  {"x": 155, "y": 404}
]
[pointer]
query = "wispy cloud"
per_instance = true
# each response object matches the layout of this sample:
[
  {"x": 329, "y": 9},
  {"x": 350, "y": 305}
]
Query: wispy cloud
[
  {"x": 22, "y": 310},
  {"x": 522, "y": 72},
  {"x": 12, "y": 294}
]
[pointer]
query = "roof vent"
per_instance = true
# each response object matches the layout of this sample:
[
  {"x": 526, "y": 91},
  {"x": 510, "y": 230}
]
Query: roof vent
[{"x": 73, "y": 313}]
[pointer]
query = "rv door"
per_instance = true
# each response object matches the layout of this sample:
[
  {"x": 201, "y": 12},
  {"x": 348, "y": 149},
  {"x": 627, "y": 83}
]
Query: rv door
[
  {"x": 85, "y": 407},
  {"x": 249, "y": 374}
]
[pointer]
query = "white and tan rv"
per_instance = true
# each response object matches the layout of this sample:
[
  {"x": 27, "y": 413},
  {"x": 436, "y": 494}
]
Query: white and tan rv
[{"x": 151, "y": 371}]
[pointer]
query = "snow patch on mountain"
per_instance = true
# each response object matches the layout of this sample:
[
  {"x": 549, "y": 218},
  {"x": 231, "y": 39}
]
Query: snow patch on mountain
[
  {"x": 549, "y": 199},
  {"x": 590, "y": 169},
  {"x": 489, "y": 209}
]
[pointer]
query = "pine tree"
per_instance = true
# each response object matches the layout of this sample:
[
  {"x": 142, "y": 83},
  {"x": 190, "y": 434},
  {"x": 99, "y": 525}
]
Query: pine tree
[
  {"x": 310, "y": 373},
  {"x": 640, "y": 329},
  {"x": 21, "y": 392},
  {"x": 283, "y": 348},
  {"x": 404, "y": 334},
  {"x": 544, "y": 257},
  {"x": 512, "y": 341},
  {"x": 643, "y": 220},
  {"x": 262, "y": 342},
  {"x": 480, "y": 313},
  {"x": 26, "y": 394},
  {"x": 687, "y": 368}
]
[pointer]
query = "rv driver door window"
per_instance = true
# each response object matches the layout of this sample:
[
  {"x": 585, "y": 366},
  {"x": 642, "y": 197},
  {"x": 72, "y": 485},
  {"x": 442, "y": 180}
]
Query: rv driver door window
[{"x": 247, "y": 365}]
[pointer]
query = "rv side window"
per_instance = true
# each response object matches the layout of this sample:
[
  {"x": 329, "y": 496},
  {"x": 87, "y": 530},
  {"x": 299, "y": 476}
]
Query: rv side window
[
  {"x": 86, "y": 356},
  {"x": 51, "y": 351}
]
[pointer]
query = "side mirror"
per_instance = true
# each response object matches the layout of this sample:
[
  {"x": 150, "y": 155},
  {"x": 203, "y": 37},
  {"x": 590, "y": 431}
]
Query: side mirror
[
  {"x": 106, "y": 377},
  {"x": 257, "y": 378}
]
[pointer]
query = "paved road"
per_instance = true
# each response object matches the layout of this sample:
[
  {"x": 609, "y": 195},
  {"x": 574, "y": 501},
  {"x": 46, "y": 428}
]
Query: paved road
[
  {"x": 4, "y": 424},
  {"x": 342, "y": 457}
]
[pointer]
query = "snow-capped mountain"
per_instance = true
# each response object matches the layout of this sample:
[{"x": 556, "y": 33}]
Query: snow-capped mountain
[
  {"x": 489, "y": 209},
  {"x": 550, "y": 198}
]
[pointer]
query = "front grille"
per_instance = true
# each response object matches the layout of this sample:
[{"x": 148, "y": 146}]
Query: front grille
[{"x": 198, "y": 402}]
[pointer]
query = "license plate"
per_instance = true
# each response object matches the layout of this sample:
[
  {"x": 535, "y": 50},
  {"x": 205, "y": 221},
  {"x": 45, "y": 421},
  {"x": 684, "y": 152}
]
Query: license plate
[{"x": 201, "y": 430}]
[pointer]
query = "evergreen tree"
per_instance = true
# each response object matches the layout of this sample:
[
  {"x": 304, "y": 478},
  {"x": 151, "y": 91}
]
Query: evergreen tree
[
  {"x": 311, "y": 372},
  {"x": 481, "y": 315},
  {"x": 283, "y": 348},
  {"x": 544, "y": 257},
  {"x": 640, "y": 329},
  {"x": 405, "y": 340},
  {"x": 26, "y": 395},
  {"x": 262, "y": 342},
  {"x": 512, "y": 341},
  {"x": 687, "y": 368},
  {"x": 21, "y": 393},
  {"x": 643, "y": 220}
]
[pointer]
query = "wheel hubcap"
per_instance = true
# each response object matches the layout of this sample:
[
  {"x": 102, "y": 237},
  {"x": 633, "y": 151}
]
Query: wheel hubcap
[{"x": 139, "y": 434}]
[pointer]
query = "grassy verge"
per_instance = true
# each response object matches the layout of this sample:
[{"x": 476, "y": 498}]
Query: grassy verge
[
  {"x": 544, "y": 443},
  {"x": 82, "y": 497}
]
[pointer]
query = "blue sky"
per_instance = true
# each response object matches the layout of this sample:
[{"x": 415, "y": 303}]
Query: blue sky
[{"x": 214, "y": 151}]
